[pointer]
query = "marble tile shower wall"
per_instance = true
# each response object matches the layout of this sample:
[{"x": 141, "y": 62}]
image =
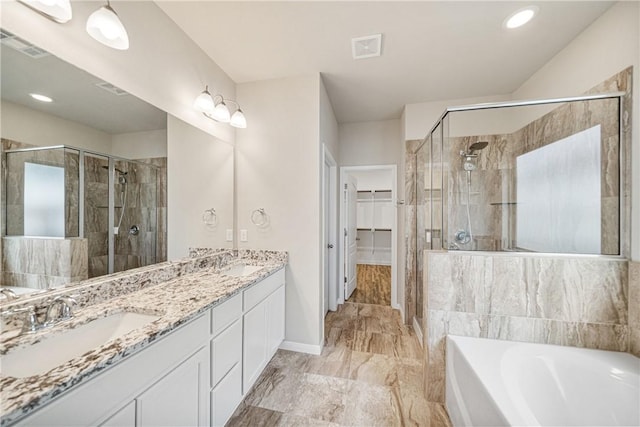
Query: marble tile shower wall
[
  {"x": 493, "y": 184},
  {"x": 634, "y": 307},
  {"x": 573, "y": 301},
  {"x": 41, "y": 263},
  {"x": 412, "y": 248}
]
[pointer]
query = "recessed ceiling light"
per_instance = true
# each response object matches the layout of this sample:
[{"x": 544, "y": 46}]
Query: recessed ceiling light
[
  {"x": 40, "y": 98},
  {"x": 520, "y": 17}
]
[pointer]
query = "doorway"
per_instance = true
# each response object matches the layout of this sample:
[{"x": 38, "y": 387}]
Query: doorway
[{"x": 368, "y": 214}]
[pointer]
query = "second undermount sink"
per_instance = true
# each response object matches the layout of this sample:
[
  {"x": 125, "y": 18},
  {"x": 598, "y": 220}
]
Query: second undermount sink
[
  {"x": 240, "y": 270},
  {"x": 53, "y": 351}
]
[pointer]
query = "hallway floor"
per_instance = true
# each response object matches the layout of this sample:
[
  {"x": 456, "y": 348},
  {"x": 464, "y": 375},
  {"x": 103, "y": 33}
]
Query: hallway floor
[
  {"x": 369, "y": 374},
  {"x": 374, "y": 284}
]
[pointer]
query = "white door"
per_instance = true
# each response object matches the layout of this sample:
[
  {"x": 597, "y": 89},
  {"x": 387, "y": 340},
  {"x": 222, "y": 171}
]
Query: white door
[
  {"x": 350, "y": 235},
  {"x": 327, "y": 235}
]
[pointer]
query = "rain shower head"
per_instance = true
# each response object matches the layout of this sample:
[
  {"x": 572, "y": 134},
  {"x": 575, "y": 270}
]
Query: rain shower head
[
  {"x": 477, "y": 146},
  {"x": 116, "y": 169}
]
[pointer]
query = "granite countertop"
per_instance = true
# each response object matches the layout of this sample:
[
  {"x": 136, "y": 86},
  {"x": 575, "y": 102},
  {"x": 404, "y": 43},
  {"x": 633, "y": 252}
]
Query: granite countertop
[{"x": 176, "y": 302}]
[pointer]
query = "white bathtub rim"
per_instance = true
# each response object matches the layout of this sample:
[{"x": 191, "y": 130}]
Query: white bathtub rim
[{"x": 490, "y": 379}]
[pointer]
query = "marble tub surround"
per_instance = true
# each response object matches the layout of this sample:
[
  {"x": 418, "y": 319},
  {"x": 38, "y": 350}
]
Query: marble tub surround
[
  {"x": 24, "y": 265},
  {"x": 176, "y": 301},
  {"x": 580, "y": 301},
  {"x": 634, "y": 308}
]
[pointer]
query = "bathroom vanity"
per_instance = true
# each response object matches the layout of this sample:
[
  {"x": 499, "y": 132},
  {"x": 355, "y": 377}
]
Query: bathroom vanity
[{"x": 194, "y": 348}]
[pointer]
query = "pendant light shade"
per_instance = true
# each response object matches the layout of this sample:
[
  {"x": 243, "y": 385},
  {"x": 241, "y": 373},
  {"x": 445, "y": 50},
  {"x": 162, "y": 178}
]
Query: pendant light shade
[
  {"x": 221, "y": 113},
  {"x": 204, "y": 102},
  {"x": 215, "y": 108},
  {"x": 58, "y": 10},
  {"x": 238, "y": 120},
  {"x": 105, "y": 26}
]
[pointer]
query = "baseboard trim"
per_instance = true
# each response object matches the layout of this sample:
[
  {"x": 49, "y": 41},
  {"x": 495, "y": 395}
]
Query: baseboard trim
[
  {"x": 418, "y": 331},
  {"x": 301, "y": 348}
]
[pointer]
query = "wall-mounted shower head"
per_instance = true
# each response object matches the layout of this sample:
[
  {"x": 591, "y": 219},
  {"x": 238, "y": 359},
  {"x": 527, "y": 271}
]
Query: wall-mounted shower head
[
  {"x": 477, "y": 146},
  {"x": 121, "y": 172}
]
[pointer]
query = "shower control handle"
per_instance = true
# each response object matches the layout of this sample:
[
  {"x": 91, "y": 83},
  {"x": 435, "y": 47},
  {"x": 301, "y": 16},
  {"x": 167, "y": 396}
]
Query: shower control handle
[{"x": 134, "y": 230}]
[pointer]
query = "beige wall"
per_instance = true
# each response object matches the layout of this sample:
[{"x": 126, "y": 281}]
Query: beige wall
[
  {"x": 140, "y": 145},
  {"x": 18, "y": 125},
  {"x": 278, "y": 169},
  {"x": 199, "y": 177}
]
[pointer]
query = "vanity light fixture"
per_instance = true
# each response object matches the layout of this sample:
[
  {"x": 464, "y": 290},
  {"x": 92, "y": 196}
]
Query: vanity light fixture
[
  {"x": 41, "y": 98},
  {"x": 105, "y": 26},
  {"x": 215, "y": 108},
  {"x": 520, "y": 17},
  {"x": 56, "y": 10}
]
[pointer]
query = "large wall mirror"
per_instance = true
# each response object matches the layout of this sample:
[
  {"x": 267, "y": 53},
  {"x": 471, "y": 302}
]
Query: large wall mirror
[{"x": 85, "y": 172}]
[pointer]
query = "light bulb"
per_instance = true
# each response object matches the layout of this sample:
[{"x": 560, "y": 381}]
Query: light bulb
[
  {"x": 204, "y": 102},
  {"x": 221, "y": 113},
  {"x": 105, "y": 26},
  {"x": 520, "y": 17},
  {"x": 238, "y": 119}
]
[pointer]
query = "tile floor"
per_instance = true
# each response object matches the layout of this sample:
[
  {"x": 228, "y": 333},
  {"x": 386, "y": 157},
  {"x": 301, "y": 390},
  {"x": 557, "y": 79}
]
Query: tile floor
[
  {"x": 374, "y": 284},
  {"x": 370, "y": 373}
]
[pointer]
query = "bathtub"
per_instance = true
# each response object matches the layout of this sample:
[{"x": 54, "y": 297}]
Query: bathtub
[{"x": 505, "y": 383}]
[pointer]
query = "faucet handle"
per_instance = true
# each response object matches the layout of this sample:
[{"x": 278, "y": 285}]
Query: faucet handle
[{"x": 30, "y": 322}]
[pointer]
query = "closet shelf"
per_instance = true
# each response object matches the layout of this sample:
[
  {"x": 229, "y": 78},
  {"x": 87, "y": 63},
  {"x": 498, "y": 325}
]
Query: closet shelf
[
  {"x": 375, "y": 229},
  {"x": 374, "y": 191}
]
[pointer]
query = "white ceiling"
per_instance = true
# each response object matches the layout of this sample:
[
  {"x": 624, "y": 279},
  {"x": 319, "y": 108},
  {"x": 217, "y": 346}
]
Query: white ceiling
[
  {"x": 430, "y": 51},
  {"x": 76, "y": 96}
]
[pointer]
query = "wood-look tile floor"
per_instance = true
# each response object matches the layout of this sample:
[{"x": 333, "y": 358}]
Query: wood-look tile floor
[
  {"x": 374, "y": 284},
  {"x": 370, "y": 373}
]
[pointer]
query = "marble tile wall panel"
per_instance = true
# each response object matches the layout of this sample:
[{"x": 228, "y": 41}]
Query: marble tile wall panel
[
  {"x": 411, "y": 235},
  {"x": 573, "y": 301},
  {"x": 41, "y": 263},
  {"x": 634, "y": 308}
]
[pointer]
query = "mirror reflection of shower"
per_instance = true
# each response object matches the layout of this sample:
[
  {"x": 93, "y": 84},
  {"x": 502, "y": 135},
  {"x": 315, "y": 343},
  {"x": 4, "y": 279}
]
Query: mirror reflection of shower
[
  {"x": 469, "y": 163},
  {"x": 122, "y": 180}
]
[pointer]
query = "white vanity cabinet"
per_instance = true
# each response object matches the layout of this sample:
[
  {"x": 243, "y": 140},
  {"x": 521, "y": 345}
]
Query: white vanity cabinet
[
  {"x": 197, "y": 375},
  {"x": 164, "y": 383},
  {"x": 263, "y": 326}
]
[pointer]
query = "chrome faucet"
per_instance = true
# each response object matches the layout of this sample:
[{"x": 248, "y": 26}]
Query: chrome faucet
[
  {"x": 65, "y": 310},
  {"x": 8, "y": 293},
  {"x": 29, "y": 322}
]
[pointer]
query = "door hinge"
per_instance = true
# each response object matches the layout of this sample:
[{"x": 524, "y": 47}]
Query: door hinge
[
  {"x": 346, "y": 186},
  {"x": 345, "y": 279}
]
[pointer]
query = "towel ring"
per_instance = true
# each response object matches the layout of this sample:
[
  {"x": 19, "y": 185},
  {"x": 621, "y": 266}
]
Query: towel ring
[
  {"x": 209, "y": 217},
  {"x": 259, "y": 217}
]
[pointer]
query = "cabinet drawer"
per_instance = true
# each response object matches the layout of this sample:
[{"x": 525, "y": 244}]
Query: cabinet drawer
[
  {"x": 226, "y": 351},
  {"x": 226, "y": 397},
  {"x": 225, "y": 314},
  {"x": 262, "y": 289}
]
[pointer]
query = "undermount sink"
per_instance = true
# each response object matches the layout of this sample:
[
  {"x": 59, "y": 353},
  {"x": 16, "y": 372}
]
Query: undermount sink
[
  {"x": 240, "y": 270},
  {"x": 53, "y": 351}
]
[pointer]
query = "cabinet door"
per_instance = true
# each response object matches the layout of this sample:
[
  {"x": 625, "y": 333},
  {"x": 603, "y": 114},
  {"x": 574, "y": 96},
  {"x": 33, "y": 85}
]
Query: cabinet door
[
  {"x": 123, "y": 418},
  {"x": 226, "y": 397},
  {"x": 254, "y": 344},
  {"x": 180, "y": 398},
  {"x": 275, "y": 321}
]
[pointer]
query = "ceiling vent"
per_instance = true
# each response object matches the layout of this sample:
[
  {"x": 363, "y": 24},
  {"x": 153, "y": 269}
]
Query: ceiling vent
[
  {"x": 366, "y": 47},
  {"x": 21, "y": 45},
  {"x": 111, "y": 88}
]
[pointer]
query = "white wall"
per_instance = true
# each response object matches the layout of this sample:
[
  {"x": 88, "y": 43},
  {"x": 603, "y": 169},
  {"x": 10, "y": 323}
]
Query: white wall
[
  {"x": 278, "y": 169},
  {"x": 140, "y": 145},
  {"x": 162, "y": 66},
  {"x": 609, "y": 45},
  {"x": 199, "y": 177},
  {"x": 30, "y": 126}
]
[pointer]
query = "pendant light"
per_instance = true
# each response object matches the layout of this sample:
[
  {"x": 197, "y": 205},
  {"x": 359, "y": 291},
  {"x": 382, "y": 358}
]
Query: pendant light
[
  {"x": 57, "y": 10},
  {"x": 105, "y": 26},
  {"x": 215, "y": 107}
]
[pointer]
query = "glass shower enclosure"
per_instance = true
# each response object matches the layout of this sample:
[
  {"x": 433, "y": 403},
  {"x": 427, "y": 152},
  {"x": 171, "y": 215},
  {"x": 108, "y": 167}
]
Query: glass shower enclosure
[
  {"x": 530, "y": 176},
  {"x": 97, "y": 210}
]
